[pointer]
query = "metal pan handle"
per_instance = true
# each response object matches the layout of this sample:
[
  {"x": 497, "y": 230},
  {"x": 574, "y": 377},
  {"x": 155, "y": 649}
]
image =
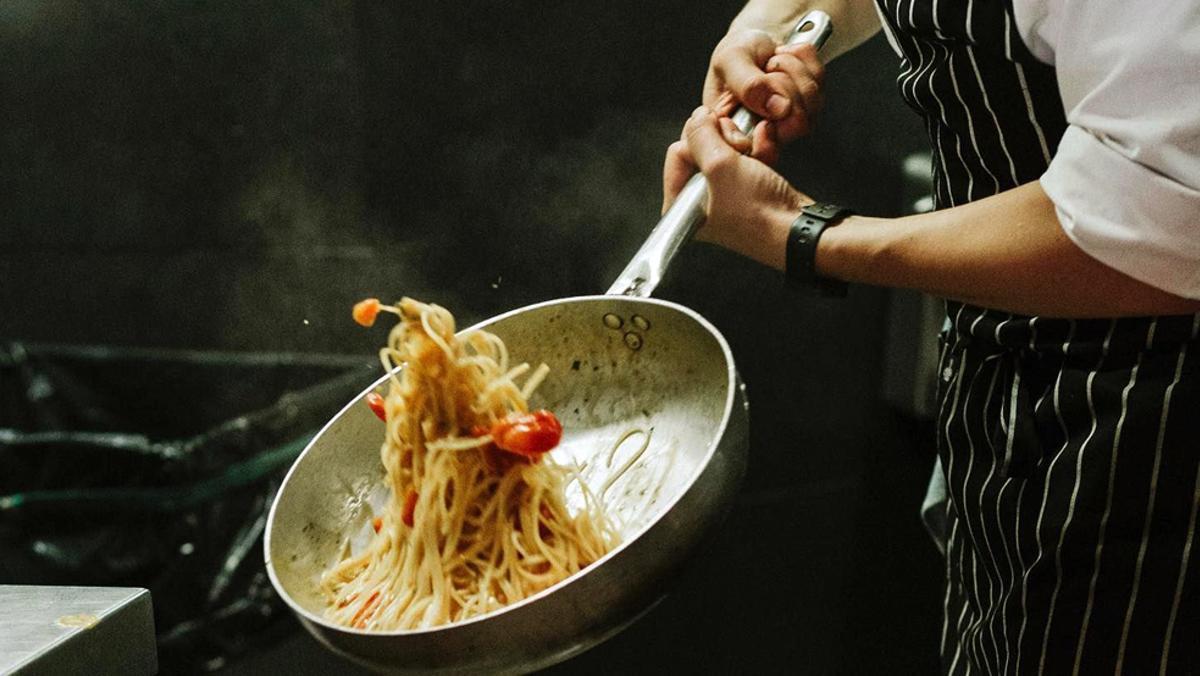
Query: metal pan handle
[{"x": 675, "y": 228}]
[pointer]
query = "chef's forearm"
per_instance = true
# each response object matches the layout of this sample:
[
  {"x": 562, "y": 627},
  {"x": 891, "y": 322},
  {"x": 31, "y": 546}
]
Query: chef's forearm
[
  {"x": 853, "y": 20},
  {"x": 1006, "y": 252}
]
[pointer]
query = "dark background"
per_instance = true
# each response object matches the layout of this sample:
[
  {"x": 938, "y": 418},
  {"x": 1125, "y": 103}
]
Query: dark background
[{"x": 231, "y": 176}]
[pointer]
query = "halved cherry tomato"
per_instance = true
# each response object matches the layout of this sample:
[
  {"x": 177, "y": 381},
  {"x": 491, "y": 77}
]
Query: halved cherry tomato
[
  {"x": 527, "y": 434},
  {"x": 365, "y": 311},
  {"x": 375, "y": 402},
  {"x": 410, "y": 508}
]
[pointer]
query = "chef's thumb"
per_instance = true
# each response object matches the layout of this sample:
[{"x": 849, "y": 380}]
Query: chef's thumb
[
  {"x": 706, "y": 145},
  {"x": 678, "y": 167}
]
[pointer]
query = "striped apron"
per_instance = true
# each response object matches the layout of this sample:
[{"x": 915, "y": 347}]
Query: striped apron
[{"x": 1070, "y": 448}]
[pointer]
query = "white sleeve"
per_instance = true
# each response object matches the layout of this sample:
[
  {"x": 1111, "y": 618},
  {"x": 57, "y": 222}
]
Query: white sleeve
[{"x": 1126, "y": 177}]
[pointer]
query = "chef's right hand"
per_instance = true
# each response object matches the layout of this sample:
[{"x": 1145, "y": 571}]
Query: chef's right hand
[
  {"x": 750, "y": 206},
  {"x": 782, "y": 84}
]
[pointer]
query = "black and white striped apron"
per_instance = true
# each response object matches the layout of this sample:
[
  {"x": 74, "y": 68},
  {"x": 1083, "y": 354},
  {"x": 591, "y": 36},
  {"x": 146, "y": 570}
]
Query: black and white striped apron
[{"x": 1071, "y": 448}]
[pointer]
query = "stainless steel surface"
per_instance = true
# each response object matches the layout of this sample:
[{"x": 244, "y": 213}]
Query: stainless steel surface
[
  {"x": 76, "y": 630},
  {"x": 680, "y": 381},
  {"x": 648, "y": 266}
]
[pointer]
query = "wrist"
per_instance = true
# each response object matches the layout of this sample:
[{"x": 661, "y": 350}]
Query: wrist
[
  {"x": 761, "y": 238},
  {"x": 828, "y": 251},
  {"x": 804, "y": 239},
  {"x": 774, "y": 243},
  {"x": 854, "y": 249}
]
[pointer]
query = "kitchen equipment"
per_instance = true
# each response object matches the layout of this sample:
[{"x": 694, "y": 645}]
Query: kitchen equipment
[
  {"x": 76, "y": 630},
  {"x": 617, "y": 361}
]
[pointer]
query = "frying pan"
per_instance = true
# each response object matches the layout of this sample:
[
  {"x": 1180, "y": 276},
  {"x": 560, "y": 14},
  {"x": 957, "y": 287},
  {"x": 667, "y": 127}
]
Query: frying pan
[{"x": 618, "y": 361}]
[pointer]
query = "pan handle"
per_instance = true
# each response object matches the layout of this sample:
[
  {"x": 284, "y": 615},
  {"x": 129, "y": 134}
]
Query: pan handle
[{"x": 649, "y": 264}]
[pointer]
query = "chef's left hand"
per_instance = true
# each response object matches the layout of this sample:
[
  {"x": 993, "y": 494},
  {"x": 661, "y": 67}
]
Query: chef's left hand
[{"x": 750, "y": 206}]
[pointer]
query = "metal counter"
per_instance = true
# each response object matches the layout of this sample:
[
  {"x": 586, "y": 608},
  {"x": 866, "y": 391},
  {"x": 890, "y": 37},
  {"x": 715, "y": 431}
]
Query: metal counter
[{"x": 76, "y": 630}]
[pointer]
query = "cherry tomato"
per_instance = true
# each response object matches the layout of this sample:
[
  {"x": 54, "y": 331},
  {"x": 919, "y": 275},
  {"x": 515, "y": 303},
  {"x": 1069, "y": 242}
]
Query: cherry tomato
[
  {"x": 365, "y": 311},
  {"x": 375, "y": 402},
  {"x": 527, "y": 434}
]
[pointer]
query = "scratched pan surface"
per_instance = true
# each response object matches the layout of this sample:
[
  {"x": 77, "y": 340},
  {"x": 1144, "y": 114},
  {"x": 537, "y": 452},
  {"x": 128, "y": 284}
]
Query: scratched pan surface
[{"x": 616, "y": 363}]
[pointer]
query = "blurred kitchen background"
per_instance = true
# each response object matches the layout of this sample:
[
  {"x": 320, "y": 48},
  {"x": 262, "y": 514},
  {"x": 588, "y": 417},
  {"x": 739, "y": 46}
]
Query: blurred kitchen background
[{"x": 192, "y": 195}]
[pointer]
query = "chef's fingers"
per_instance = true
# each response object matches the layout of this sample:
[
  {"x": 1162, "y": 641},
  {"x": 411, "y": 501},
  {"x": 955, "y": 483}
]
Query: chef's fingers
[
  {"x": 805, "y": 90},
  {"x": 725, "y": 104},
  {"x": 737, "y": 64},
  {"x": 765, "y": 143},
  {"x": 808, "y": 54},
  {"x": 734, "y": 136}
]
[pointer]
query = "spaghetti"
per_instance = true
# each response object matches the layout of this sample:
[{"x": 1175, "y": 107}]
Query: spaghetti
[{"x": 476, "y": 517}]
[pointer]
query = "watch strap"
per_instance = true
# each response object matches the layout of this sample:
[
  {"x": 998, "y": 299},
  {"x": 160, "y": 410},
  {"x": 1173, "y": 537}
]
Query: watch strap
[{"x": 802, "y": 241}]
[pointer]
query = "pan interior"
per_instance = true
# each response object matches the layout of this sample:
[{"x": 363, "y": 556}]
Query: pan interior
[{"x": 616, "y": 364}]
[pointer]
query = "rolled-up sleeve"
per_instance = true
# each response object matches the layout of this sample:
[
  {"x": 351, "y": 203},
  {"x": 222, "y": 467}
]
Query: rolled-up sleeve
[{"x": 1126, "y": 178}]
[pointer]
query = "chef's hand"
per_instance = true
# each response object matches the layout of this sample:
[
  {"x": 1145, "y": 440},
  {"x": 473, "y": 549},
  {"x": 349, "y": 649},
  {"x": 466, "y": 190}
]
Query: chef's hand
[
  {"x": 781, "y": 84},
  {"x": 750, "y": 206}
]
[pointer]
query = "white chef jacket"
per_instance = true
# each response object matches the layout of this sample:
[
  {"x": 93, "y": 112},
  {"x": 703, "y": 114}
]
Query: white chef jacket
[{"x": 1126, "y": 178}]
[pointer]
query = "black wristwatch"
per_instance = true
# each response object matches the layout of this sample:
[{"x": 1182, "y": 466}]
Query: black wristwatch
[{"x": 802, "y": 247}]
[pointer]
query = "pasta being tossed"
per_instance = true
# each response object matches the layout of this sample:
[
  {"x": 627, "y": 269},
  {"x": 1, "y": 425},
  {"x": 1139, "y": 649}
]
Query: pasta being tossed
[{"x": 476, "y": 517}]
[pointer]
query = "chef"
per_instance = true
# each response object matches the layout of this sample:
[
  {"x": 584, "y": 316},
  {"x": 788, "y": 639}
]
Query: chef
[{"x": 1066, "y": 240}]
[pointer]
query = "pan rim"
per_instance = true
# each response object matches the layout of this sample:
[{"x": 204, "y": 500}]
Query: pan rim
[{"x": 732, "y": 383}]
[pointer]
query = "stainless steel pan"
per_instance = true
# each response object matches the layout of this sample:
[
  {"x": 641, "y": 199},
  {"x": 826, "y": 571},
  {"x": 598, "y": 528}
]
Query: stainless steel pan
[{"x": 617, "y": 361}]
